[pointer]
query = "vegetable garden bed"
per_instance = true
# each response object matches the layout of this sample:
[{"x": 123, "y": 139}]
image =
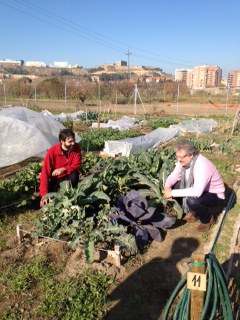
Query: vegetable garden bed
[{"x": 37, "y": 273}]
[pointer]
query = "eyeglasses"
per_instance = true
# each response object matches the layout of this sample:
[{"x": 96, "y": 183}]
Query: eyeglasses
[{"x": 182, "y": 157}]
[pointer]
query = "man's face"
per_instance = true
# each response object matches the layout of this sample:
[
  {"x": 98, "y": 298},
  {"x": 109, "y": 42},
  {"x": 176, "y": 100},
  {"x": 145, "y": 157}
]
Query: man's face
[
  {"x": 68, "y": 143},
  {"x": 183, "y": 158}
]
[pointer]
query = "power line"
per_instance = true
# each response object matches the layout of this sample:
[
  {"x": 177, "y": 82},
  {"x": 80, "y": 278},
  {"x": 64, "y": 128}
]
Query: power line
[
  {"x": 83, "y": 32},
  {"x": 101, "y": 42}
]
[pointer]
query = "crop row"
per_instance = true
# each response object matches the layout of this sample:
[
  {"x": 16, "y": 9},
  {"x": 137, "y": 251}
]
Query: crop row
[{"x": 82, "y": 215}]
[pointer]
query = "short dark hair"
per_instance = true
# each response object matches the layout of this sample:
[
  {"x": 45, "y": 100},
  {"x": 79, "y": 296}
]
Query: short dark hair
[
  {"x": 188, "y": 146},
  {"x": 66, "y": 133}
]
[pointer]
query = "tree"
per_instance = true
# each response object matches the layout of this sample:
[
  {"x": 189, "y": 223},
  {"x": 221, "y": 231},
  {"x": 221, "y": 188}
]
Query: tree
[
  {"x": 80, "y": 91},
  {"x": 21, "y": 88},
  {"x": 51, "y": 88},
  {"x": 125, "y": 88}
]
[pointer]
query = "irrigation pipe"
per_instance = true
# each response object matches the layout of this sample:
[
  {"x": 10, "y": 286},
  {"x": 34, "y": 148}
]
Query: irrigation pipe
[{"x": 216, "y": 299}]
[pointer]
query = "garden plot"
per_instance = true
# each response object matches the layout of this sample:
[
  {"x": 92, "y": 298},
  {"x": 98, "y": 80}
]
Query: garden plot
[{"x": 144, "y": 281}]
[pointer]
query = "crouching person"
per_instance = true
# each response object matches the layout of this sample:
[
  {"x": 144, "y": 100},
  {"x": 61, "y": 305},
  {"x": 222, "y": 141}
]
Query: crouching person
[
  {"x": 196, "y": 184},
  {"x": 62, "y": 162}
]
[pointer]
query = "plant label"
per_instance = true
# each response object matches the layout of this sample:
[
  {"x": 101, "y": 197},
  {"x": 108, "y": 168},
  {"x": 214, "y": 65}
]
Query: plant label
[{"x": 196, "y": 281}]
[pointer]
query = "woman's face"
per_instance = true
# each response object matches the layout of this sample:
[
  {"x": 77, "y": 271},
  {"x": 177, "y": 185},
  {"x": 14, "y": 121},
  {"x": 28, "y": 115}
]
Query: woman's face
[{"x": 183, "y": 158}]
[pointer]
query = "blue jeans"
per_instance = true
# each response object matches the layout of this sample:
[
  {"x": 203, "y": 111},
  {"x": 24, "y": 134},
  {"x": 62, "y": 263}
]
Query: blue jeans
[{"x": 202, "y": 205}]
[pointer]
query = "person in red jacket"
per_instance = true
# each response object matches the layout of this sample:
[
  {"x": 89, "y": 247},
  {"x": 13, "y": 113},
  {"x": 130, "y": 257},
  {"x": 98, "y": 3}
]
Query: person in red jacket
[{"x": 62, "y": 162}]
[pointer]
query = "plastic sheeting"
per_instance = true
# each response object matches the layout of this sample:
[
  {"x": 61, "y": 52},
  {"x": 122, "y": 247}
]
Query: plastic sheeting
[
  {"x": 156, "y": 137},
  {"x": 64, "y": 116},
  {"x": 138, "y": 144},
  {"x": 25, "y": 133},
  {"x": 198, "y": 126},
  {"x": 124, "y": 123}
]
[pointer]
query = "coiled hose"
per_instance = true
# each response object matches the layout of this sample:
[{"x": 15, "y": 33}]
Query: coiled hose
[{"x": 216, "y": 299}]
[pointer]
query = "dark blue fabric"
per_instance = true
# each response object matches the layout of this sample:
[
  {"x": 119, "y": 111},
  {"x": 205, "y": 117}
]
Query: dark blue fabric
[{"x": 201, "y": 206}]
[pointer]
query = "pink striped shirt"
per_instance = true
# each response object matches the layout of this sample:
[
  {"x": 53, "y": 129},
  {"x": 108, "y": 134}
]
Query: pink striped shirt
[{"x": 206, "y": 178}]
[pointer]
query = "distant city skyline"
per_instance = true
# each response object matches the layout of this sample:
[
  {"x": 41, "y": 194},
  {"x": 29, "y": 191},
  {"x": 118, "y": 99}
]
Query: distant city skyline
[{"x": 163, "y": 34}]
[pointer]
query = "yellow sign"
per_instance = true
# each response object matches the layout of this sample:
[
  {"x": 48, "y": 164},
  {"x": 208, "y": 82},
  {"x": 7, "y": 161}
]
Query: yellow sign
[{"x": 196, "y": 281}]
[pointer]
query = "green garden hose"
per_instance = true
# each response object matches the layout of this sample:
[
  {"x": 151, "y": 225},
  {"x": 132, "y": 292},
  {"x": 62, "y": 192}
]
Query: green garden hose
[
  {"x": 216, "y": 299},
  {"x": 216, "y": 302}
]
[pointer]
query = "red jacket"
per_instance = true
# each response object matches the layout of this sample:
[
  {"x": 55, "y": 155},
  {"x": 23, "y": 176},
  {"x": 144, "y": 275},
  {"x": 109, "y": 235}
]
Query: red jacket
[{"x": 56, "y": 159}]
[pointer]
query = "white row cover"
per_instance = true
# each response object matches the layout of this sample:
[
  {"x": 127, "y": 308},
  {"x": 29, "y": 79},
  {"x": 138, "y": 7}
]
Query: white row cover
[
  {"x": 138, "y": 144},
  {"x": 151, "y": 140},
  {"x": 198, "y": 126},
  {"x": 124, "y": 123},
  {"x": 64, "y": 116},
  {"x": 25, "y": 133}
]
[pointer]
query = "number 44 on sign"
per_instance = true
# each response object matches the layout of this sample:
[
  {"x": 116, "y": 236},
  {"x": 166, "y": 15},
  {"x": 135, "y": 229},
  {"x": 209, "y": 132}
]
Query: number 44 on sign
[{"x": 196, "y": 281}]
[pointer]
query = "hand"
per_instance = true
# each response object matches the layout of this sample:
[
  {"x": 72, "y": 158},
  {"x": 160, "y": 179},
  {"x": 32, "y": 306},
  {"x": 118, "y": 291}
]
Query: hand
[
  {"x": 58, "y": 171},
  {"x": 167, "y": 193},
  {"x": 43, "y": 202}
]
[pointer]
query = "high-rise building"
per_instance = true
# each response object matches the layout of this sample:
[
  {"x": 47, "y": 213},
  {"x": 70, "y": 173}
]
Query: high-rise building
[
  {"x": 234, "y": 79},
  {"x": 201, "y": 77}
]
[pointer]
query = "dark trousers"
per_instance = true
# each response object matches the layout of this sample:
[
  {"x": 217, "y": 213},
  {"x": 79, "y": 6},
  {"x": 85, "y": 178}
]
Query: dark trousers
[
  {"x": 203, "y": 205},
  {"x": 54, "y": 183}
]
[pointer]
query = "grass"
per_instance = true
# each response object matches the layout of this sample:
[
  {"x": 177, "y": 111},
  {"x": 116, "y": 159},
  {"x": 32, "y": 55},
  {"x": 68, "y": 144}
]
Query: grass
[
  {"x": 34, "y": 283},
  {"x": 73, "y": 298},
  {"x": 224, "y": 242},
  {"x": 28, "y": 275}
]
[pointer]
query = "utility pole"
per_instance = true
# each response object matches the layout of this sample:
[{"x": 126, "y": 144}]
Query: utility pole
[
  {"x": 99, "y": 98},
  {"x": 128, "y": 54},
  {"x": 5, "y": 97},
  {"x": 65, "y": 94},
  {"x": 35, "y": 94},
  {"x": 177, "y": 97},
  {"x": 226, "y": 107}
]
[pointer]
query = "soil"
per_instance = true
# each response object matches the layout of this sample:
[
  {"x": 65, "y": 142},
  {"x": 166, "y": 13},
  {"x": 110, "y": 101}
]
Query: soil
[
  {"x": 157, "y": 109},
  {"x": 145, "y": 282}
]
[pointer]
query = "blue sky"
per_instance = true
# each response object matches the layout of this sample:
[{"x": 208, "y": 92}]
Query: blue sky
[{"x": 168, "y": 34}]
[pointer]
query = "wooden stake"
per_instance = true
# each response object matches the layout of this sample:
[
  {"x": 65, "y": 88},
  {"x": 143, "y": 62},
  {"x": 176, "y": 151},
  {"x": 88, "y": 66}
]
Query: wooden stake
[
  {"x": 197, "y": 296},
  {"x": 115, "y": 255},
  {"x": 19, "y": 233}
]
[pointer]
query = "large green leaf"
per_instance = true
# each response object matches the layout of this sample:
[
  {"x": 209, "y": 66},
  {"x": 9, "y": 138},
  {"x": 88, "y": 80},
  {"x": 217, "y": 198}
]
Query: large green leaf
[
  {"x": 178, "y": 209},
  {"x": 146, "y": 181},
  {"x": 89, "y": 250},
  {"x": 95, "y": 196},
  {"x": 147, "y": 193},
  {"x": 86, "y": 182},
  {"x": 145, "y": 158}
]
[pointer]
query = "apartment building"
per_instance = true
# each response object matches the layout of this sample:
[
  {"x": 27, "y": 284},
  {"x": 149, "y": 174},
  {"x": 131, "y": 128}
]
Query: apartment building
[
  {"x": 60, "y": 64},
  {"x": 11, "y": 63},
  {"x": 234, "y": 79},
  {"x": 37, "y": 64},
  {"x": 181, "y": 74},
  {"x": 121, "y": 63},
  {"x": 201, "y": 77}
]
